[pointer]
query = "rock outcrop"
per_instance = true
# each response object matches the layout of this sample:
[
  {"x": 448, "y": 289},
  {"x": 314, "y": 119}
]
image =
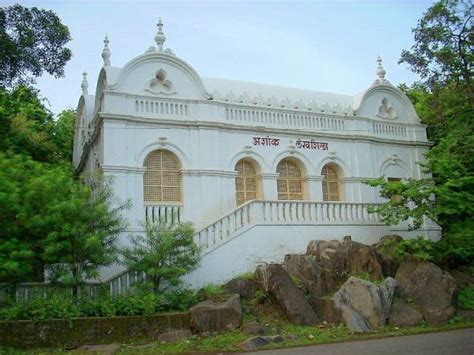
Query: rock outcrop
[
  {"x": 428, "y": 286},
  {"x": 277, "y": 282},
  {"x": 328, "y": 264},
  {"x": 385, "y": 250},
  {"x": 245, "y": 288},
  {"x": 404, "y": 315},
  {"x": 210, "y": 316},
  {"x": 363, "y": 305}
]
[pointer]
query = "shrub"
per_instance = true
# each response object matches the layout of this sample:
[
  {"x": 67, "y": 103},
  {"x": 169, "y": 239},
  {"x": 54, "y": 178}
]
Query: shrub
[
  {"x": 466, "y": 298},
  {"x": 420, "y": 248},
  {"x": 165, "y": 253}
]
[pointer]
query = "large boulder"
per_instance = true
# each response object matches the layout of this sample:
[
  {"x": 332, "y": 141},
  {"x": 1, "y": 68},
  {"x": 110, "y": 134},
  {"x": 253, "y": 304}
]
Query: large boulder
[
  {"x": 404, "y": 315},
  {"x": 336, "y": 261},
  {"x": 363, "y": 305},
  {"x": 429, "y": 287},
  {"x": 326, "y": 310},
  {"x": 245, "y": 288},
  {"x": 316, "y": 280},
  {"x": 211, "y": 316},
  {"x": 277, "y": 282},
  {"x": 385, "y": 250}
]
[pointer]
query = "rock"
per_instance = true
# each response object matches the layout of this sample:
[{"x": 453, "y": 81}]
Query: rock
[
  {"x": 213, "y": 316},
  {"x": 259, "y": 341},
  {"x": 429, "y": 287},
  {"x": 385, "y": 250},
  {"x": 363, "y": 305},
  {"x": 387, "y": 291},
  {"x": 254, "y": 328},
  {"x": 277, "y": 282},
  {"x": 328, "y": 264},
  {"x": 245, "y": 288},
  {"x": 363, "y": 260},
  {"x": 354, "y": 320},
  {"x": 403, "y": 315},
  {"x": 437, "y": 317},
  {"x": 175, "y": 336},
  {"x": 326, "y": 310},
  {"x": 99, "y": 349},
  {"x": 315, "y": 280}
]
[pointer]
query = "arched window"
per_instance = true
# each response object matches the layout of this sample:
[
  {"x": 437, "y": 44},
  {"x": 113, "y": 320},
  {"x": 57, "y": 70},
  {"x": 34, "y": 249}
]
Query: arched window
[
  {"x": 162, "y": 179},
  {"x": 289, "y": 182},
  {"x": 330, "y": 183},
  {"x": 246, "y": 182}
]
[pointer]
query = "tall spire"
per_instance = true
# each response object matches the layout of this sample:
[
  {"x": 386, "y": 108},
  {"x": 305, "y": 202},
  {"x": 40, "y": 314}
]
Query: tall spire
[
  {"x": 160, "y": 37},
  {"x": 106, "y": 52},
  {"x": 84, "y": 84},
  {"x": 380, "y": 70}
]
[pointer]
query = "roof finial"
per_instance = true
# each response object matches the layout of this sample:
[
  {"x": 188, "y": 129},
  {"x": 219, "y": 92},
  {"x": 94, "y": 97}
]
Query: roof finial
[
  {"x": 380, "y": 70},
  {"x": 160, "y": 37},
  {"x": 84, "y": 84},
  {"x": 106, "y": 52}
]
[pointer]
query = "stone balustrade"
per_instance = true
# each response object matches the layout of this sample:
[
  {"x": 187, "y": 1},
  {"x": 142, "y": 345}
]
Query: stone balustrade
[{"x": 286, "y": 213}]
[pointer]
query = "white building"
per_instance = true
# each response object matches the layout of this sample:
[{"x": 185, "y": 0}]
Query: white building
[{"x": 259, "y": 169}]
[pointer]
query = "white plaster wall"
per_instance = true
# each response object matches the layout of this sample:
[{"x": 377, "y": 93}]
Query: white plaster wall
[
  {"x": 270, "y": 243},
  {"x": 208, "y": 157}
]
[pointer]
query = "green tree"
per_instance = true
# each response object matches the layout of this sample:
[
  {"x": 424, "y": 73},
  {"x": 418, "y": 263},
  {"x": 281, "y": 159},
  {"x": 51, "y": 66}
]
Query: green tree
[
  {"x": 28, "y": 127},
  {"x": 442, "y": 55},
  {"x": 63, "y": 134},
  {"x": 32, "y": 42},
  {"x": 165, "y": 253},
  {"x": 49, "y": 218}
]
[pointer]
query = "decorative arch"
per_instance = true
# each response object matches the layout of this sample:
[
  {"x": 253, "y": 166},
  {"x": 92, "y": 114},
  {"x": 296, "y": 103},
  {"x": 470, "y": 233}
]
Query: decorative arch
[
  {"x": 162, "y": 180},
  {"x": 303, "y": 162},
  {"x": 163, "y": 144},
  {"x": 398, "y": 164},
  {"x": 290, "y": 179},
  {"x": 257, "y": 158},
  {"x": 341, "y": 165},
  {"x": 332, "y": 182},
  {"x": 246, "y": 182},
  {"x": 171, "y": 60},
  {"x": 389, "y": 90}
]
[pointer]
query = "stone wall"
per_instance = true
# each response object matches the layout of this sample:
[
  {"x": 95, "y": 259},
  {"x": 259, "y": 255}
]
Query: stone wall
[{"x": 81, "y": 331}]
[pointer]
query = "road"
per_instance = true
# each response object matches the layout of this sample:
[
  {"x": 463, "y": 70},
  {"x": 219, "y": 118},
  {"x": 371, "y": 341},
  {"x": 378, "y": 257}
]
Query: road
[{"x": 456, "y": 342}]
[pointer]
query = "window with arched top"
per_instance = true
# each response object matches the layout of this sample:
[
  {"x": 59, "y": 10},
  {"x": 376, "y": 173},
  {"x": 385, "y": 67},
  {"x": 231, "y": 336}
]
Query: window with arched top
[
  {"x": 162, "y": 178},
  {"x": 289, "y": 182},
  {"x": 331, "y": 185},
  {"x": 246, "y": 187}
]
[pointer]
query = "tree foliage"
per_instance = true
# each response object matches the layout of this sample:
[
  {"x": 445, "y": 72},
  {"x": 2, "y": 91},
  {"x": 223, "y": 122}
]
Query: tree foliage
[
  {"x": 442, "y": 53},
  {"x": 165, "y": 253},
  {"x": 28, "y": 127},
  {"x": 48, "y": 217},
  {"x": 32, "y": 42},
  {"x": 443, "y": 57}
]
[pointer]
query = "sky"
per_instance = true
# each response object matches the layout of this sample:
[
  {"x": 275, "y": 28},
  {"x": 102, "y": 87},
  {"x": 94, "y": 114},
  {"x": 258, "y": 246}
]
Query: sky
[{"x": 329, "y": 46}]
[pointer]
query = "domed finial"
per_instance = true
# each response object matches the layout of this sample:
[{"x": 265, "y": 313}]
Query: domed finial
[
  {"x": 84, "y": 84},
  {"x": 160, "y": 37},
  {"x": 106, "y": 52},
  {"x": 380, "y": 70}
]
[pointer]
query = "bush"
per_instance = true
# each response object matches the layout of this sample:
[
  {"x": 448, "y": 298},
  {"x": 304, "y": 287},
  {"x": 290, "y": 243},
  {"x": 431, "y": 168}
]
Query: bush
[
  {"x": 466, "y": 298},
  {"x": 165, "y": 253},
  {"x": 420, "y": 248}
]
